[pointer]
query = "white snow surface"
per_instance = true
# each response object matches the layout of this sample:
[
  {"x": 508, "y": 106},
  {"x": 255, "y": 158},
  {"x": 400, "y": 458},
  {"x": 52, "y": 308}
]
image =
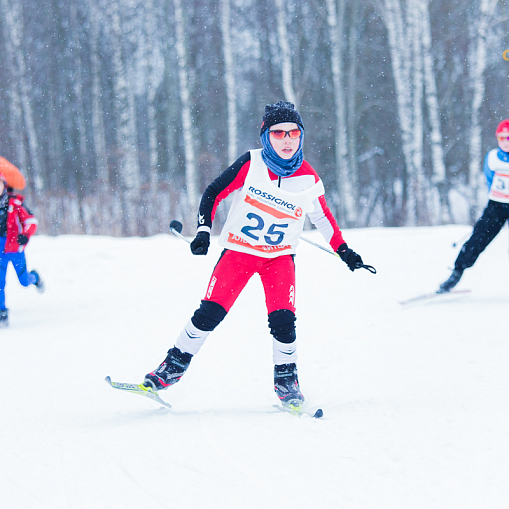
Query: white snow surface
[{"x": 415, "y": 398}]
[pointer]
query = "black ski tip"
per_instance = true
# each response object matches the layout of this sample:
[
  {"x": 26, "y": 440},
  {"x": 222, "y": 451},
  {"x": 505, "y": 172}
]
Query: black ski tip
[
  {"x": 176, "y": 225},
  {"x": 318, "y": 414}
]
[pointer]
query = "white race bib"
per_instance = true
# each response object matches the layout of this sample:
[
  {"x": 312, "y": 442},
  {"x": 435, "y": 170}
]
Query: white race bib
[
  {"x": 265, "y": 220},
  {"x": 499, "y": 190}
]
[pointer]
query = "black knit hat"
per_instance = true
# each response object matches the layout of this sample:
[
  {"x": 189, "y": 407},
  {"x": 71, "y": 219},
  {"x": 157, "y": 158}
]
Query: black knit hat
[{"x": 278, "y": 113}]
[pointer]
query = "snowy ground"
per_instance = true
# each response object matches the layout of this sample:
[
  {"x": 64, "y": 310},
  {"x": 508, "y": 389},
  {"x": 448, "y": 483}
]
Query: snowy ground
[{"x": 415, "y": 398}]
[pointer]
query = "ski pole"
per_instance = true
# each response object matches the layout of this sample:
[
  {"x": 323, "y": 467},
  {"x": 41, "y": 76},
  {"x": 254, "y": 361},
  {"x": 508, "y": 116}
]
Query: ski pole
[
  {"x": 460, "y": 241},
  {"x": 176, "y": 228},
  {"x": 369, "y": 268},
  {"x": 319, "y": 246}
]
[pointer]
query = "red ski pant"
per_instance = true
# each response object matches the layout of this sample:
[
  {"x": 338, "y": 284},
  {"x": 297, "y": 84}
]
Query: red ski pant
[{"x": 234, "y": 270}]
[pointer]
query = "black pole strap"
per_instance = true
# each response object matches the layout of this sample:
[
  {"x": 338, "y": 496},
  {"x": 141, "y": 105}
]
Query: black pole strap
[{"x": 369, "y": 268}]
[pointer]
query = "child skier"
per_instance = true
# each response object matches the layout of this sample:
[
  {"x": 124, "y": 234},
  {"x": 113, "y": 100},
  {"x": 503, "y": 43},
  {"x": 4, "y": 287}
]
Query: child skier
[
  {"x": 17, "y": 225},
  {"x": 496, "y": 170},
  {"x": 274, "y": 190}
]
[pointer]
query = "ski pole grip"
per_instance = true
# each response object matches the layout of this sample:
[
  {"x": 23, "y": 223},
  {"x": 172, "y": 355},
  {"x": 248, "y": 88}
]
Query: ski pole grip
[
  {"x": 176, "y": 225},
  {"x": 176, "y": 228}
]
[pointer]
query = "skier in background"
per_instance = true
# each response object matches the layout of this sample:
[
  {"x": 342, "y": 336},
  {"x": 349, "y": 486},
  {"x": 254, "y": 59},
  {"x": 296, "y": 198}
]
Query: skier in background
[
  {"x": 496, "y": 170},
  {"x": 274, "y": 190},
  {"x": 17, "y": 225}
]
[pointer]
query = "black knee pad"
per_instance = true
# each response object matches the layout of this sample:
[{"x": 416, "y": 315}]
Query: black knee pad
[
  {"x": 208, "y": 316},
  {"x": 282, "y": 325}
]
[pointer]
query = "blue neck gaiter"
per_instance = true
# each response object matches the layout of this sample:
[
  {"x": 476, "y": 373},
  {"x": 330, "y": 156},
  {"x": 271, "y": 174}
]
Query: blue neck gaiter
[
  {"x": 503, "y": 156},
  {"x": 279, "y": 166}
]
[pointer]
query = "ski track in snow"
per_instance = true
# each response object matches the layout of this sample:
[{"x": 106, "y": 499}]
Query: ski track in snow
[{"x": 415, "y": 398}]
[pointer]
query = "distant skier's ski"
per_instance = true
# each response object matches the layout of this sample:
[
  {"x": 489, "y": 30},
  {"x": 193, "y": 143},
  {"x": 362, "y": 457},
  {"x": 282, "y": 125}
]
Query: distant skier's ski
[
  {"x": 137, "y": 389},
  {"x": 299, "y": 412},
  {"x": 432, "y": 295}
]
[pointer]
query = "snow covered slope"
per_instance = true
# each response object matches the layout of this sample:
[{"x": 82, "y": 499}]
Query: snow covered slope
[{"x": 415, "y": 398}]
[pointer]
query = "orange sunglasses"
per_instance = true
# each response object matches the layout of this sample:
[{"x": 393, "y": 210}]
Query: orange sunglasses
[{"x": 280, "y": 135}]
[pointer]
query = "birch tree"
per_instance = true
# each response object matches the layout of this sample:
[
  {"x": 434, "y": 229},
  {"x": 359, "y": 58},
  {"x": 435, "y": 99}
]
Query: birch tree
[
  {"x": 403, "y": 31},
  {"x": 154, "y": 71},
  {"x": 98, "y": 129},
  {"x": 153, "y": 81},
  {"x": 286, "y": 56},
  {"x": 13, "y": 23},
  {"x": 477, "y": 64},
  {"x": 185, "y": 100},
  {"x": 347, "y": 190},
  {"x": 351, "y": 101},
  {"x": 437, "y": 150},
  {"x": 15, "y": 109},
  {"x": 229, "y": 77},
  {"x": 77, "y": 81},
  {"x": 418, "y": 180},
  {"x": 129, "y": 169}
]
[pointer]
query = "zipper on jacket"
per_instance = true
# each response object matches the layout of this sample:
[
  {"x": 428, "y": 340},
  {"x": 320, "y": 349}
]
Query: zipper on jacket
[{"x": 279, "y": 182}]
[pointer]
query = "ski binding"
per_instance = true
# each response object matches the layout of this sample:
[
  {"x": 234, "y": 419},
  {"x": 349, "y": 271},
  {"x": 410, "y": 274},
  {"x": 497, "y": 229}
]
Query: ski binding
[
  {"x": 140, "y": 389},
  {"x": 298, "y": 411}
]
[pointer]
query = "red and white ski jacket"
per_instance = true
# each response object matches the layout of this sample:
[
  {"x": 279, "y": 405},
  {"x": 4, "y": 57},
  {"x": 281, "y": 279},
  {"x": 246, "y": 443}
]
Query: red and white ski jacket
[
  {"x": 234, "y": 177},
  {"x": 19, "y": 220}
]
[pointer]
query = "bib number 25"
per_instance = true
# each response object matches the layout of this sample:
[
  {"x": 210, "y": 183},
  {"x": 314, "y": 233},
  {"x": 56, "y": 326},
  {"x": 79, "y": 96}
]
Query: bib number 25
[{"x": 250, "y": 230}]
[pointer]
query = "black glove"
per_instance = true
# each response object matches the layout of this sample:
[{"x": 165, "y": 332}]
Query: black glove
[
  {"x": 200, "y": 244},
  {"x": 22, "y": 239},
  {"x": 351, "y": 258}
]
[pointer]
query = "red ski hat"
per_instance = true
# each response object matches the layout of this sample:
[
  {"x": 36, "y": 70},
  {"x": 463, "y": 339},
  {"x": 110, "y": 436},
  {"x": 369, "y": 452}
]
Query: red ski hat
[{"x": 503, "y": 127}]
